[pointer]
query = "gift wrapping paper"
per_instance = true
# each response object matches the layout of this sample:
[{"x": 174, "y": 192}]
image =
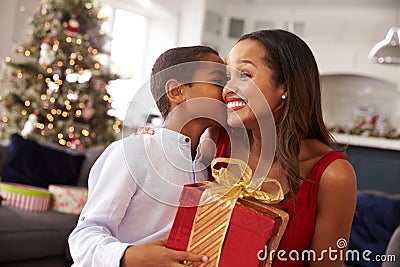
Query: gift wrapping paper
[
  {"x": 68, "y": 199},
  {"x": 230, "y": 231},
  {"x": 25, "y": 196}
]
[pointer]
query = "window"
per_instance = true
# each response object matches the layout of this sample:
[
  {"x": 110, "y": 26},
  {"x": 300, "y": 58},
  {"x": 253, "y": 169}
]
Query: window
[
  {"x": 127, "y": 47},
  {"x": 140, "y": 31}
]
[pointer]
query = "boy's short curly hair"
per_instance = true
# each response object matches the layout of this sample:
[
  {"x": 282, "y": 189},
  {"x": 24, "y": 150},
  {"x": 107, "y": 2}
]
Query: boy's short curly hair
[{"x": 168, "y": 59}]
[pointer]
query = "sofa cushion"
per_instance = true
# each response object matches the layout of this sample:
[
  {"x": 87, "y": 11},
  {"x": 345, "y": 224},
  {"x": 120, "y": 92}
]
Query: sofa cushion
[
  {"x": 3, "y": 155},
  {"x": 31, "y": 163},
  {"x": 377, "y": 216},
  {"x": 33, "y": 235}
]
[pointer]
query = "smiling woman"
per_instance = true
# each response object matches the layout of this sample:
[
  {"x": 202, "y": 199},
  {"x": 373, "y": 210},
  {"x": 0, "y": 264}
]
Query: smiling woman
[{"x": 281, "y": 67}]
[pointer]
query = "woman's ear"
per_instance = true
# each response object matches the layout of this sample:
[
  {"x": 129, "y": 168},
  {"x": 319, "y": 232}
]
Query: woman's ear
[{"x": 174, "y": 92}]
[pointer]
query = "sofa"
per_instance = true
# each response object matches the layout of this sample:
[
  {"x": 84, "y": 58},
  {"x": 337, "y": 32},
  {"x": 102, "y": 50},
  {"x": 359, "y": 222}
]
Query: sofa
[
  {"x": 376, "y": 219},
  {"x": 33, "y": 239}
]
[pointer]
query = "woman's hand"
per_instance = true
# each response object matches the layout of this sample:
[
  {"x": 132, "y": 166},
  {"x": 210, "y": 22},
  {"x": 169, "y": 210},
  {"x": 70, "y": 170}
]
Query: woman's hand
[
  {"x": 156, "y": 254},
  {"x": 145, "y": 130}
]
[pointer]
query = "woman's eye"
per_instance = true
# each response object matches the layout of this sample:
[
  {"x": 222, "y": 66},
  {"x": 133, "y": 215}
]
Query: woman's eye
[{"x": 245, "y": 75}]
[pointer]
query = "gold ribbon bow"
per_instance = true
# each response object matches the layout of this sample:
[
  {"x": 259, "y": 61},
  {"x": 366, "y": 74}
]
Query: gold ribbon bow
[
  {"x": 230, "y": 187},
  {"x": 217, "y": 203}
]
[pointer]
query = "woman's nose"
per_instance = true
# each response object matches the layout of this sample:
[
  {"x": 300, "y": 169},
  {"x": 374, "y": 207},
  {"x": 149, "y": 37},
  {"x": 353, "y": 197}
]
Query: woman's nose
[{"x": 231, "y": 86}]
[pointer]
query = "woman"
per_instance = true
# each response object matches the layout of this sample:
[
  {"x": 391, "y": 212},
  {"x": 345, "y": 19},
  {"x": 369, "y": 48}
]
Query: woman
[{"x": 319, "y": 183}]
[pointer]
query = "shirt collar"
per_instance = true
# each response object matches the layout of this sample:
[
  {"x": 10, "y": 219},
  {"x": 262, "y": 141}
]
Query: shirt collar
[{"x": 182, "y": 139}]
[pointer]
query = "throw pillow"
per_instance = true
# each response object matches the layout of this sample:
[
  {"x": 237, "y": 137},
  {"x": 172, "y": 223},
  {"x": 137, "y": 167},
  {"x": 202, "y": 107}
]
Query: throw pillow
[
  {"x": 3, "y": 154},
  {"x": 377, "y": 217},
  {"x": 34, "y": 164}
]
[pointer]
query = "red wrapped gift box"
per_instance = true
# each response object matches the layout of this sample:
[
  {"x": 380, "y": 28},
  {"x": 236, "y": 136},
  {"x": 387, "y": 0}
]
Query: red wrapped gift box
[{"x": 252, "y": 226}]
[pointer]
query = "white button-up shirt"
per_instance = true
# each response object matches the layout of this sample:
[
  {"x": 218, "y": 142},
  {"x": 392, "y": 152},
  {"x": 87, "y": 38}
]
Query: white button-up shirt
[{"x": 134, "y": 189}]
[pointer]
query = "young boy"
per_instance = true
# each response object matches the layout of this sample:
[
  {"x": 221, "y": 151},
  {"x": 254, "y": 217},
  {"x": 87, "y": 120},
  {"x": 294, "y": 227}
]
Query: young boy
[{"x": 135, "y": 184}]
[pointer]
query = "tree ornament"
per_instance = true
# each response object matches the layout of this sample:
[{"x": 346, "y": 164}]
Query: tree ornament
[
  {"x": 88, "y": 112},
  {"x": 8, "y": 103},
  {"x": 72, "y": 96},
  {"x": 47, "y": 55},
  {"x": 18, "y": 47},
  {"x": 72, "y": 26},
  {"x": 52, "y": 87},
  {"x": 44, "y": 7},
  {"x": 29, "y": 125},
  {"x": 76, "y": 143},
  {"x": 100, "y": 84}
]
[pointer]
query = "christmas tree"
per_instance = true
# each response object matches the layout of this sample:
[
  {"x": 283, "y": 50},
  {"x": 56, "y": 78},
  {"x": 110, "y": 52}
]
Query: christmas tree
[{"x": 57, "y": 86}]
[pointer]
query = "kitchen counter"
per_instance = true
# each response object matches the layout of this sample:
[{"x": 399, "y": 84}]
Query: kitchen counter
[
  {"x": 376, "y": 161},
  {"x": 367, "y": 141}
]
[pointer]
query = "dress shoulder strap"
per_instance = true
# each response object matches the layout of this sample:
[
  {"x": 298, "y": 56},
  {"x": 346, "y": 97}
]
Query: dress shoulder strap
[
  {"x": 323, "y": 163},
  {"x": 222, "y": 143}
]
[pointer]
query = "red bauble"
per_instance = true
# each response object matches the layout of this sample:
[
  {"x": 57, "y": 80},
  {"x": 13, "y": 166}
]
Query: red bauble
[{"x": 72, "y": 26}]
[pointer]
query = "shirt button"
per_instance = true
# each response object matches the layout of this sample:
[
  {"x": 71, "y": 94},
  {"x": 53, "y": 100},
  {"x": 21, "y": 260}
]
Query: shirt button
[
  {"x": 83, "y": 218},
  {"x": 187, "y": 139}
]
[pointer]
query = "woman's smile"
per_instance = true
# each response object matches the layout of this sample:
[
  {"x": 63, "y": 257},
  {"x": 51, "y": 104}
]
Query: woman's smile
[{"x": 234, "y": 104}]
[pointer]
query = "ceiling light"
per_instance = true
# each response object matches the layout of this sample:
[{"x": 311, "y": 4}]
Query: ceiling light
[{"x": 387, "y": 51}]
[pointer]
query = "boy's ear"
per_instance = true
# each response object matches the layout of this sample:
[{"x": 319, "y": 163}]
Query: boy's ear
[{"x": 174, "y": 92}]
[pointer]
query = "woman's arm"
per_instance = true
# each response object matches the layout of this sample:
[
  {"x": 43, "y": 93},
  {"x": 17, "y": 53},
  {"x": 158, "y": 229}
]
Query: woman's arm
[{"x": 336, "y": 202}]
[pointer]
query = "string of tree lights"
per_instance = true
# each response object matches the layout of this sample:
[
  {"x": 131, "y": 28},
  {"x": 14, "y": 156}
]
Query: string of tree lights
[{"x": 56, "y": 85}]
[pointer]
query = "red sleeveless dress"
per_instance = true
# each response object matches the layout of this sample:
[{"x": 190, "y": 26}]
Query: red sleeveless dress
[{"x": 300, "y": 229}]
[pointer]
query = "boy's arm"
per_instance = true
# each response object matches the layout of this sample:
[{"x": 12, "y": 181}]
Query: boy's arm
[{"x": 93, "y": 241}]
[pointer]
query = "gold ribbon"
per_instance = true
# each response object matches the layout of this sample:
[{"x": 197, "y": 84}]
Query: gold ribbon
[{"x": 217, "y": 203}]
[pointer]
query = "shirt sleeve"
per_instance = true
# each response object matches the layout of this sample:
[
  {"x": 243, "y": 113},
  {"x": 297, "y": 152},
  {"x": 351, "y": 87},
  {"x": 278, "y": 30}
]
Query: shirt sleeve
[{"x": 111, "y": 187}]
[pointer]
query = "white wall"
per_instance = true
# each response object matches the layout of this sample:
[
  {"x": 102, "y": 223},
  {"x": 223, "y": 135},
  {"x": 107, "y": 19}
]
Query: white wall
[
  {"x": 191, "y": 22},
  {"x": 7, "y": 13},
  {"x": 14, "y": 28},
  {"x": 15, "y": 25}
]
